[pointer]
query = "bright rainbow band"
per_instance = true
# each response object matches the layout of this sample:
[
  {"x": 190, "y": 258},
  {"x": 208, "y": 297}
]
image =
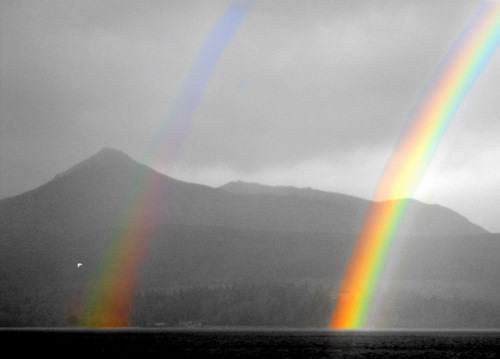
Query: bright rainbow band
[{"x": 408, "y": 163}]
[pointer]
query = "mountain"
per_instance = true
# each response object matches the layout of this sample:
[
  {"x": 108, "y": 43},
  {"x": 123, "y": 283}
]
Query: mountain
[
  {"x": 421, "y": 219},
  {"x": 95, "y": 192},
  {"x": 238, "y": 234},
  {"x": 240, "y": 187}
]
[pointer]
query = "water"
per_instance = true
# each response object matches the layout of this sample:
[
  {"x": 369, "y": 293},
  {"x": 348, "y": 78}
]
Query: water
[{"x": 249, "y": 343}]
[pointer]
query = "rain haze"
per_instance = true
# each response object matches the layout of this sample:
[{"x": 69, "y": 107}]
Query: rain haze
[{"x": 307, "y": 94}]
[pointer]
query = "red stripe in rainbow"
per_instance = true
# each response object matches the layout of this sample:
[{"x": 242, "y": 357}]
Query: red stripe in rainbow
[
  {"x": 409, "y": 161},
  {"x": 110, "y": 297}
]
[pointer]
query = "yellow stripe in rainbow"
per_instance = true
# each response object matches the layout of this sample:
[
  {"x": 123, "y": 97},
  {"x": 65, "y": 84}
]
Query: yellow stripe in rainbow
[
  {"x": 407, "y": 165},
  {"x": 110, "y": 296}
]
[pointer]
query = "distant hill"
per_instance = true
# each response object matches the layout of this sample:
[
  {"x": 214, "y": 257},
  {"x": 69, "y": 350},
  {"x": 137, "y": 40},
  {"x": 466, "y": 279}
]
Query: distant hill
[
  {"x": 237, "y": 234},
  {"x": 96, "y": 191},
  {"x": 421, "y": 219}
]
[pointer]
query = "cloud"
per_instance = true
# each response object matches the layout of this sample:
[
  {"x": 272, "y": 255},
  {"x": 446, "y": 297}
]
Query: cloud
[
  {"x": 324, "y": 88},
  {"x": 304, "y": 88}
]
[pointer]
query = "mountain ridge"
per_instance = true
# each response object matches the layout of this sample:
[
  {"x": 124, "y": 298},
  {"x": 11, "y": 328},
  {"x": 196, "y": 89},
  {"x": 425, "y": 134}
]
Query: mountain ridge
[
  {"x": 251, "y": 188},
  {"x": 205, "y": 236},
  {"x": 96, "y": 190}
]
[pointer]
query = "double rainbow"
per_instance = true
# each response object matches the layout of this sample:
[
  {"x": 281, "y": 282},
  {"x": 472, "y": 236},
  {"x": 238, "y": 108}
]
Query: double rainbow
[
  {"x": 110, "y": 296},
  {"x": 408, "y": 163}
]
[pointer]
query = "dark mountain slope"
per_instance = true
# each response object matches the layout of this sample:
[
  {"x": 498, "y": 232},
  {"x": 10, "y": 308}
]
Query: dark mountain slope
[
  {"x": 239, "y": 233},
  {"x": 347, "y": 212},
  {"x": 96, "y": 192}
]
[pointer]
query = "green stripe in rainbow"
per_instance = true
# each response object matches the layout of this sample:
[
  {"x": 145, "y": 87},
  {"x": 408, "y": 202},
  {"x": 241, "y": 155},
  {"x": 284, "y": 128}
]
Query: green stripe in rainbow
[
  {"x": 110, "y": 296},
  {"x": 407, "y": 165}
]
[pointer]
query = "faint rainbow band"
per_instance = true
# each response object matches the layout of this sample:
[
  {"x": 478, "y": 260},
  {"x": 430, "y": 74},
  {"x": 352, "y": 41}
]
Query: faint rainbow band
[{"x": 111, "y": 294}]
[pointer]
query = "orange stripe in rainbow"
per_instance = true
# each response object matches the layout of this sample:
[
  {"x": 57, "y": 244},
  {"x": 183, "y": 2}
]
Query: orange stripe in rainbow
[
  {"x": 110, "y": 297},
  {"x": 407, "y": 165}
]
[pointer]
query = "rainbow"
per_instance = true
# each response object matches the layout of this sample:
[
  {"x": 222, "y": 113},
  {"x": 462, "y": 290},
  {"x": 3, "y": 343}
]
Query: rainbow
[
  {"x": 111, "y": 294},
  {"x": 407, "y": 165}
]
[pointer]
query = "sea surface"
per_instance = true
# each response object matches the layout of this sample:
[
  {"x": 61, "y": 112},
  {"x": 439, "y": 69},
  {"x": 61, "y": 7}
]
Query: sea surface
[{"x": 254, "y": 343}]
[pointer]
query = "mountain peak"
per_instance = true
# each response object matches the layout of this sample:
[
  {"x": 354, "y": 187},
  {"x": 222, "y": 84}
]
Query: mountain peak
[
  {"x": 241, "y": 187},
  {"x": 247, "y": 188},
  {"x": 105, "y": 158},
  {"x": 110, "y": 154}
]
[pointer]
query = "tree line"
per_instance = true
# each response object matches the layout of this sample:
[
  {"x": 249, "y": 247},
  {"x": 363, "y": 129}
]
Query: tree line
[
  {"x": 288, "y": 305},
  {"x": 272, "y": 305}
]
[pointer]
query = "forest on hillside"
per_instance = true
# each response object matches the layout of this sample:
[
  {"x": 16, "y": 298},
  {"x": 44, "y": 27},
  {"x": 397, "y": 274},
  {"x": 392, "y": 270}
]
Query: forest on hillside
[
  {"x": 300, "y": 306},
  {"x": 281, "y": 305}
]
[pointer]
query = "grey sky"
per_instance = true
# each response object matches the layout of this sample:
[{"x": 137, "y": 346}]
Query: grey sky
[{"x": 308, "y": 93}]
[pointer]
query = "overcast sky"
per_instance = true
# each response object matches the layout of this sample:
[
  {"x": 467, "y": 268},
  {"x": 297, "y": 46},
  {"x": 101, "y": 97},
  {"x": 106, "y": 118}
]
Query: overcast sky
[{"x": 308, "y": 93}]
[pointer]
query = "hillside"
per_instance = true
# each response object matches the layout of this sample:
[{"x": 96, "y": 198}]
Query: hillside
[{"x": 239, "y": 234}]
